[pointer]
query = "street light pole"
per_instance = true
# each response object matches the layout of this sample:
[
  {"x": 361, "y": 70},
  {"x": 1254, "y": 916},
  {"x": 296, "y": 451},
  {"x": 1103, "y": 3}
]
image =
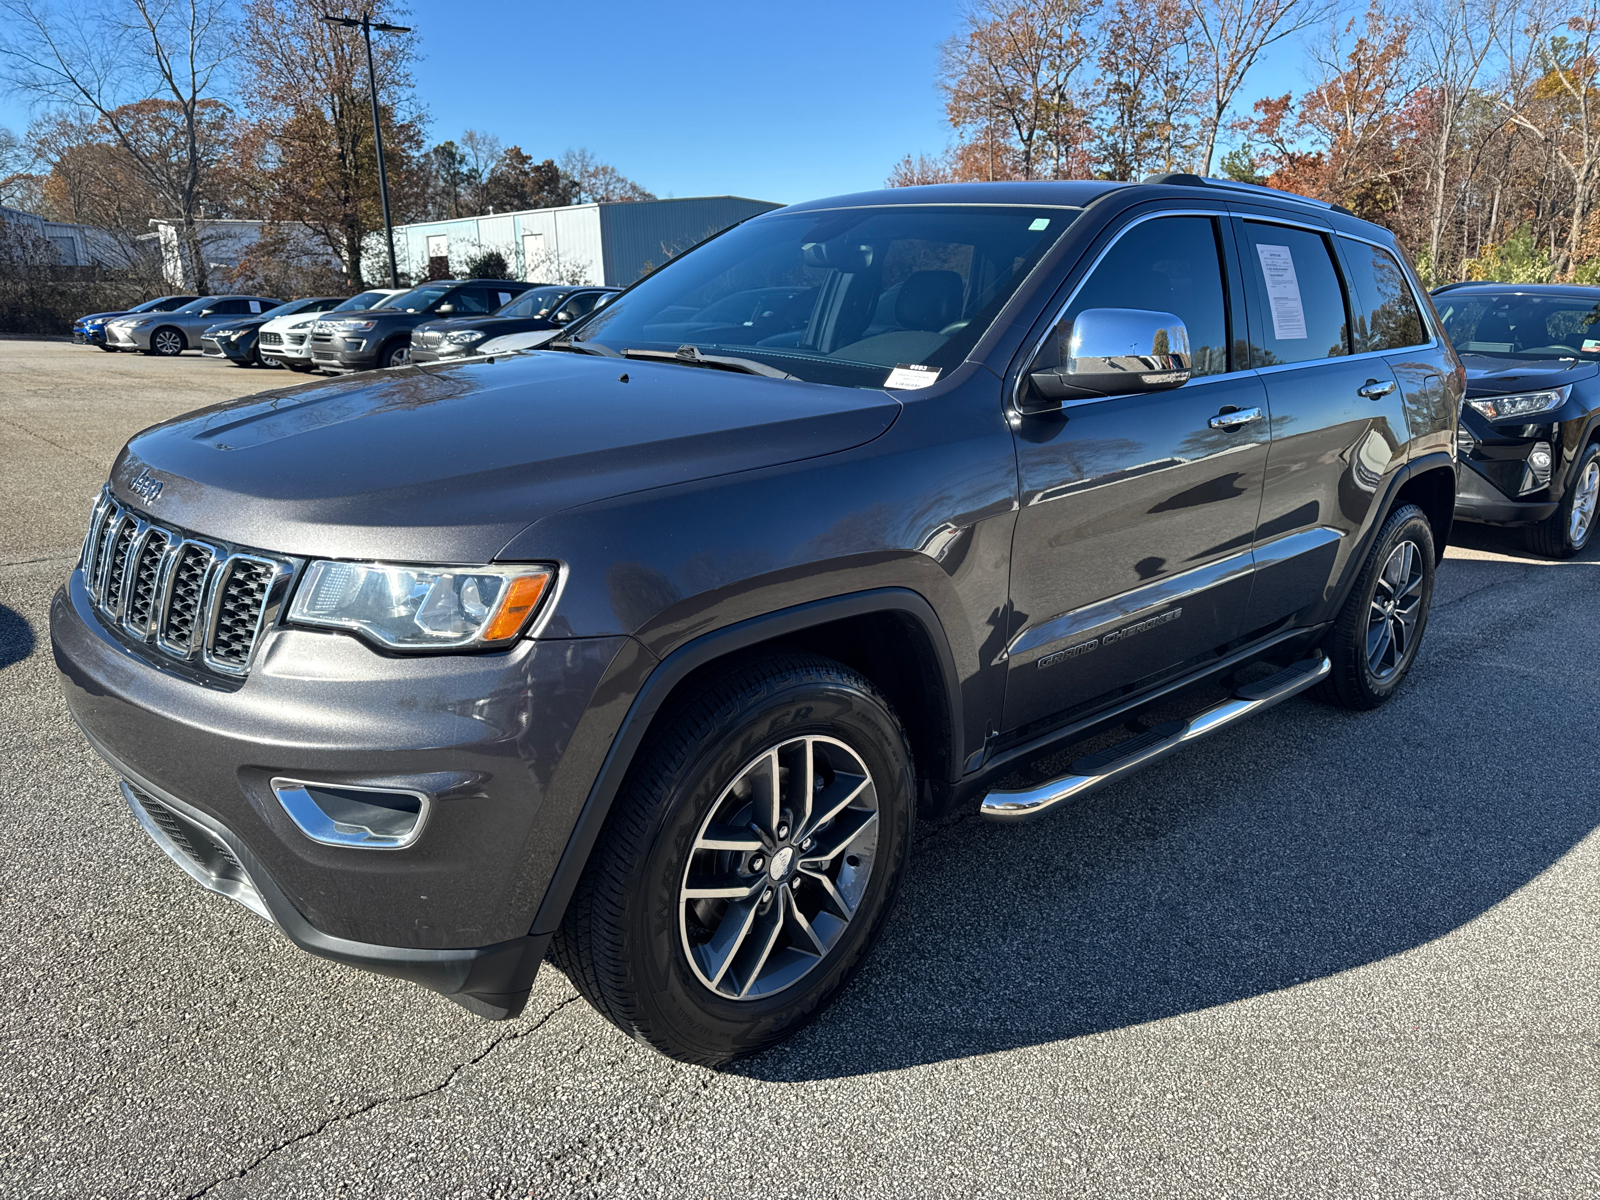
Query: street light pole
[{"x": 365, "y": 24}]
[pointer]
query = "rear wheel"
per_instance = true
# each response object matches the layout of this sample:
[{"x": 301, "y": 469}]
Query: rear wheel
[
  {"x": 167, "y": 342},
  {"x": 1378, "y": 631},
  {"x": 1568, "y": 531},
  {"x": 748, "y": 863}
]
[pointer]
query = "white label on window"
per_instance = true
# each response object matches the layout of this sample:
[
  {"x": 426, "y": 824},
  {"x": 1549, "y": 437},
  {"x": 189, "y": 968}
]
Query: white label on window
[
  {"x": 505, "y": 297},
  {"x": 255, "y": 306},
  {"x": 1283, "y": 293},
  {"x": 1590, "y": 345},
  {"x": 908, "y": 376},
  {"x": 1038, "y": 224}
]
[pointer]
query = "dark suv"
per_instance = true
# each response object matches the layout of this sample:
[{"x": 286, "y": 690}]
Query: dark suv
[
  {"x": 381, "y": 337},
  {"x": 647, "y": 652},
  {"x": 540, "y": 308}
]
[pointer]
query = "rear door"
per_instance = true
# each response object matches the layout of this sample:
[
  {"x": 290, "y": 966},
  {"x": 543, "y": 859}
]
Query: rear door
[
  {"x": 1338, "y": 415},
  {"x": 1131, "y": 554}
]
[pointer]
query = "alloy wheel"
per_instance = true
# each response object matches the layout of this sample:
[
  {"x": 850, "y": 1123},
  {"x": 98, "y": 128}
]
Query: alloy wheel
[
  {"x": 168, "y": 341},
  {"x": 1396, "y": 604},
  {"x": 778, "y": 868},
  {"x": 1585, "y": 496}
]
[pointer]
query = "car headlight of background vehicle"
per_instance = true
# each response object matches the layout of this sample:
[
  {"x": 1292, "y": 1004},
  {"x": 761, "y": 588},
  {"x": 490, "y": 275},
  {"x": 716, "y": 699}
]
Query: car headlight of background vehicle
[
  {"x": 350, "y": 326},
  {"x": 465, "y": 337},
  {"x": 223, "y": 333},
  {"x": 305, "y": 324},
  {"x": 1521, "y": 404},
  {"x": 422, "y": 608}
]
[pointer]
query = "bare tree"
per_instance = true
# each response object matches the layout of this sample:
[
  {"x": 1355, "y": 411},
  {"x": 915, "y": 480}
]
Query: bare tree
[
  {"x": 1230, "y": 37},
  {"x": 98, "y": 62},
  {"x": 1455, "y": 37}
]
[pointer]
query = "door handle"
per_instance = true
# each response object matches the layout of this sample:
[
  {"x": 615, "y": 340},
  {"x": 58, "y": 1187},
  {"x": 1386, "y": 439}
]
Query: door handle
[
  {"x": 1234, "y": 419},
  {"x": 1373, "y": 390}
]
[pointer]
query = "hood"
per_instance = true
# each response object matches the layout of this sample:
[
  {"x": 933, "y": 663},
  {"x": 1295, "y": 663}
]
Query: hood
[
  {"x": 447, "y": 464},
  {"x": 243, "y": 321},
  {"x": 1492, "y": 376},
  {"x": 489, "y": 321}
]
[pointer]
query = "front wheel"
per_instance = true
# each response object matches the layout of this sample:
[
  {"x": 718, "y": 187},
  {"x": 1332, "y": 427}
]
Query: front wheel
[
  {"x": 396, "y": 354},
  {"x": 1376, "y": 635},
  {"x": 748, "y": 862},
  {"x": 1568, "y": 531},
  {"x": 166, "y": 342}
]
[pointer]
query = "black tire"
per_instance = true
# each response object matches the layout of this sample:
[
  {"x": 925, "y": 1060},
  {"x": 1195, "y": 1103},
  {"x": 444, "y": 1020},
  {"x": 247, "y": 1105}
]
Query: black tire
[
  {"x": 167, "y": 342},
  {"x": 629, "y": 935},
  {"x": 396, "y": 354},
  {"x": 1356, "y": 682},
  {"x": 1560, "y": 536}
]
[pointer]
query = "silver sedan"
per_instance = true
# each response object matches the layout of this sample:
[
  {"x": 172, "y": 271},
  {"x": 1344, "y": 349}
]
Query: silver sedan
[{"x": 174, "y": 332}]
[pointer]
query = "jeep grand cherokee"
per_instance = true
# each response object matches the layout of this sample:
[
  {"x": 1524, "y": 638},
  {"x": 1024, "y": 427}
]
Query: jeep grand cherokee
[{"x": 646, "y": 649}]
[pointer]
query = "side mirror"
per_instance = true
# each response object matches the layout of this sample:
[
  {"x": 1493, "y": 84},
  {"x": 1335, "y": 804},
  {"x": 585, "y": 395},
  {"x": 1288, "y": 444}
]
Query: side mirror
[
  {"x": 562, "y": 318},
  {"x": 1109, "y": 352},
  {"x": 446, "y": 308},
  {"x": 206, "y": 312}
]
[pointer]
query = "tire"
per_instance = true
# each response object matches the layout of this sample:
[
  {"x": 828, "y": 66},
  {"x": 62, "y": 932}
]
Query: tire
[
  {"x": 1571, "y": 527},
  {"x": 167, "y": 342},
  {"x": 396, "y": 354},
  {"x": 644, "y": 952},
  {"x": 1368, "y": 667}
]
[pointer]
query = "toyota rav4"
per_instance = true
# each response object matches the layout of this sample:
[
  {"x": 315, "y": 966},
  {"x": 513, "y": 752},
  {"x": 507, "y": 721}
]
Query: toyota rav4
[{"x": 647, "y": 648}]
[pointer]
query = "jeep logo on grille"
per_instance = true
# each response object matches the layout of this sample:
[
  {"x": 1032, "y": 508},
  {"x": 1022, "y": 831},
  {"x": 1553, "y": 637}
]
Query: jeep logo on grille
[{"x": 146, "y": 486}]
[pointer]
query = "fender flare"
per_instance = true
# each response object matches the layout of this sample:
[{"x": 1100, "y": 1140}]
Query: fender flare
[
  {"x": 1437, "y": 460},
  {"x": 697, "y": 653}
]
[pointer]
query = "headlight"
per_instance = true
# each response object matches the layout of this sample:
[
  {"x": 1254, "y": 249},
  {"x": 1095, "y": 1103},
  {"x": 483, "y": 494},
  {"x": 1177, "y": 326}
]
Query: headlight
[
  {"x": 1522, "y": 404},
  {"x": 305, "y": 324},
  {"x": 223, "y": 333},
  {"x": 464, "y": 338},
  {"x": 418, "y": 608},
  {"x": 350, "y": 326}
]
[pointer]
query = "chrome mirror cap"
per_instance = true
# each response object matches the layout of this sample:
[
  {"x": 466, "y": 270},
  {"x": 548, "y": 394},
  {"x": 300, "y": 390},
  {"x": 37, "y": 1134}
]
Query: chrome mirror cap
[{"x": 1112, "y": 351}]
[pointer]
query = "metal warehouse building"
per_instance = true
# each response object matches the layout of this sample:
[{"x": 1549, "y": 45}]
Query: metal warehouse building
[{"x": 581, "y": 243}]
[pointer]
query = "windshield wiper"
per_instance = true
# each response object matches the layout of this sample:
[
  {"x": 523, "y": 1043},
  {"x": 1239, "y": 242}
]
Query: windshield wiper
[
  {"x": 691, "y": 356},
  {"x": 599, "y": 348}
]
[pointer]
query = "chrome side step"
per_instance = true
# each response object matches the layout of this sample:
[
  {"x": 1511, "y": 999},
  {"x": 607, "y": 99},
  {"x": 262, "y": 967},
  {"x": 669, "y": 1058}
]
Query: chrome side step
[{"x": 1095, "y": 771}]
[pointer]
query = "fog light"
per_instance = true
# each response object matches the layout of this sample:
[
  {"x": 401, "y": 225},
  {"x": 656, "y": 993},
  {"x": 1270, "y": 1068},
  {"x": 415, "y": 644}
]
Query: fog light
[
  {"x": 342, "y": 815},
  {"x": 1537, "y": 473}
]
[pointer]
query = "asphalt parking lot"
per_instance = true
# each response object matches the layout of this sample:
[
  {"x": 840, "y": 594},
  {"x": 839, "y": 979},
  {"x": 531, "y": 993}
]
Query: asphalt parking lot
[{"x": 1321, "y": 954}]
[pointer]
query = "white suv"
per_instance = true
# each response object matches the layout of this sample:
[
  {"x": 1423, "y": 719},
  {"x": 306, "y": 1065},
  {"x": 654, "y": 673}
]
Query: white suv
[{"x": 286, "y": 341}]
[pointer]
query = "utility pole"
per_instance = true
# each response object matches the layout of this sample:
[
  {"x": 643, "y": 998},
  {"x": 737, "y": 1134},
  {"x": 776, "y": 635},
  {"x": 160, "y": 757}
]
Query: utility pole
[{"x": 365, "y": 24}]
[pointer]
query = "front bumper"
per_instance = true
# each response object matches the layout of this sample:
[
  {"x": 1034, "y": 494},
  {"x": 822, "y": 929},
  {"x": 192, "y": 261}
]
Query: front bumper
[
  {"x": 129, "y": 339},
  {"x": 340, "y": 354},
  {"x": 497, "y": 742},
  {"x": 228, "y": 348},
  {"x": 1493, "y": 476},
  {"x": 289, "y": 348}
]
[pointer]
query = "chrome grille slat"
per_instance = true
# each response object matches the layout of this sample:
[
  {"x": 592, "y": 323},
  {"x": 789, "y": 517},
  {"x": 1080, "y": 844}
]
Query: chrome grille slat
[{"x": 188, "y": 599}]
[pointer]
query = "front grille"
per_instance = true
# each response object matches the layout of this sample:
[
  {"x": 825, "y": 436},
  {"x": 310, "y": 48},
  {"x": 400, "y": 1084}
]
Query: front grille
[
  {"x": 297, "y": 339},
  {"x": 272, "y": 339},
  {"x": 183, "y": 598},
  {"x": 427, "y": 340}
]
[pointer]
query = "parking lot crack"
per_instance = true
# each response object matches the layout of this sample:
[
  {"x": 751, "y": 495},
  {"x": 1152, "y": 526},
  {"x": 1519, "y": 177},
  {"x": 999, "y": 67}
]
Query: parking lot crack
[{"x": 421, "y": 1094}]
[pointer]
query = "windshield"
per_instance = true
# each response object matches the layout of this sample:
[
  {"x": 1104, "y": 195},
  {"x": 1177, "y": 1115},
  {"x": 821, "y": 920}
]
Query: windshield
[
  {"x": 308, "y": 304},
  {"x": 842, "y": 296},
  {"x": 150, "y": 305},
  {"x": 361, "y": 302},
  {"x": 1517, "y": 325},
  {"x": 199, "y": 305},
  {"x": 420, "y": 299},
  {"x": 534, "y": 303}
]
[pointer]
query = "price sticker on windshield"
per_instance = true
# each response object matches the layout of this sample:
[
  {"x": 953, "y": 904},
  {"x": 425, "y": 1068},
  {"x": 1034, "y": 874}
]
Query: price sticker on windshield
[{"x": 908, "y": 376}]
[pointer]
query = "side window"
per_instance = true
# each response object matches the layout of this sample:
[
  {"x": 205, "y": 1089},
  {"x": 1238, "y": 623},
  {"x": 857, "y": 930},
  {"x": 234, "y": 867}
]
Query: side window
[
  {"x": 229, "y": 307},
  {"x": 470, "y": 302},
  {"x": 1385, "y": 311},
  {"x": 1167, "y": 265},
  {"x": 1297, "y": 294}
]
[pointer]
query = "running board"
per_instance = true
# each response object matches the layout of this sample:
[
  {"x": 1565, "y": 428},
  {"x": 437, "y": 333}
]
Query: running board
[{"x": 1095, "y": 771}]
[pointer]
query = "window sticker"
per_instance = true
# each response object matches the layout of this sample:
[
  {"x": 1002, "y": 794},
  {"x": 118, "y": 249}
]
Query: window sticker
[
  {"x": 1283, "y": 293},
  {"x": 255, "y": 306},
  {"x": 1038, "y": 224},
  {"x": 505, "y": 297},
  {"x": 909, "y": 376},
  {"x": 1591, "y": 345}
]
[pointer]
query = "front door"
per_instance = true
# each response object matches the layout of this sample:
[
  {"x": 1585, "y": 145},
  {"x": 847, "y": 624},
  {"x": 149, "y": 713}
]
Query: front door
[{"x": 1132, "y": 548}]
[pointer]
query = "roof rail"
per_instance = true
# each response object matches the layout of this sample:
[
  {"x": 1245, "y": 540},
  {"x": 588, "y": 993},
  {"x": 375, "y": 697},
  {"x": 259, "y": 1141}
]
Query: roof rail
[
  {"x": 1187, "y": 180},
  {"x": 1445, "y": 287}
]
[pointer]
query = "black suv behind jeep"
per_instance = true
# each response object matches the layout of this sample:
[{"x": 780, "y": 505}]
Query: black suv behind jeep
[
  {"x": 647, "y": 651},
  {"x": 381, "y": 337}
]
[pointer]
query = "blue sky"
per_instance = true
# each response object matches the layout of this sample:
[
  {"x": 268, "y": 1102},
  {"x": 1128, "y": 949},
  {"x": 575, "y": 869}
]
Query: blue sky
[{"x": 778, "y": 102}]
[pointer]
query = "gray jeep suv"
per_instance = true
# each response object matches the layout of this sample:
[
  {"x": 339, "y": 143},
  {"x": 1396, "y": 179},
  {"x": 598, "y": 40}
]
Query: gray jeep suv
[{"x": 646, "y": 649}]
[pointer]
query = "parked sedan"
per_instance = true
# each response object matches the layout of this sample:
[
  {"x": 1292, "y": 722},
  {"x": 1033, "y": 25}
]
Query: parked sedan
[
  {"x": 90, "y": 330},
  {"x": 237, "y": 339},
  {"x": 539, "y": 309},
  {"x": 172, "y": 333},
  {"x": 1529, "y": 435},
  {"x": 382, "y": 336},
  {"x": 286, "y": 340}
]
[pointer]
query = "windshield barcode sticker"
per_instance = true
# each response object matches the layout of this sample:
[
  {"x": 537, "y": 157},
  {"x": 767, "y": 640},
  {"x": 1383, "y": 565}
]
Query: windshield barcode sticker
[{"x": 907, "y": 376}]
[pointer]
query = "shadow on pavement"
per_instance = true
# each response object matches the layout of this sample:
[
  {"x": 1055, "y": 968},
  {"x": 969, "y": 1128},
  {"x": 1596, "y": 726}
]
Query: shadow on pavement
[
  {"x": 1305, "y": 844},
  {"x": 16, "y": 637}
]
